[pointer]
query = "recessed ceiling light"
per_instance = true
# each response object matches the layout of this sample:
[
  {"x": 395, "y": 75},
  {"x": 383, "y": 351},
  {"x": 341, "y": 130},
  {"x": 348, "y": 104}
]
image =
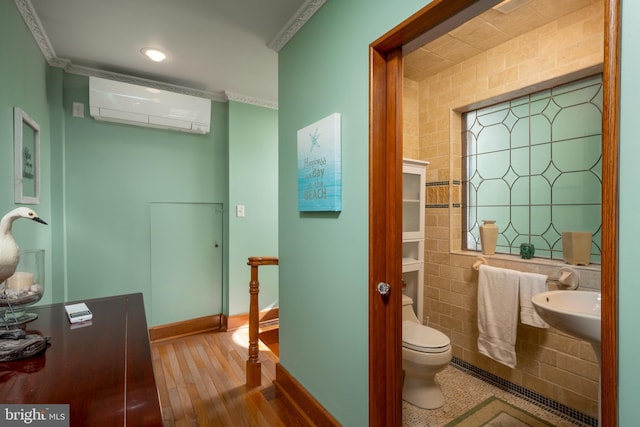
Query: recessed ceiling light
[{"x": 154, "y": 54}]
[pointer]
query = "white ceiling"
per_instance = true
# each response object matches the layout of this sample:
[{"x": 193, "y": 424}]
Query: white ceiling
[
  {"x": 228, "y": 49},
  {"x": 220, "y": 48}
]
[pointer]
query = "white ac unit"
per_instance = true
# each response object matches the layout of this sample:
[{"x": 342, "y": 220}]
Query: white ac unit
[{"x": 121, "y": 102}]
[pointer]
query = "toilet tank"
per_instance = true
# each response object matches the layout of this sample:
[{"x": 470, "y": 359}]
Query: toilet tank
[
  {"x": 407, "y": 309},
  {"x": 406, "y": 300}
]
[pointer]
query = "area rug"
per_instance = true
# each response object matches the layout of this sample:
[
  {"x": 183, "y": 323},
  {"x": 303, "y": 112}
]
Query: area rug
[{"x": 495, "y": 412}]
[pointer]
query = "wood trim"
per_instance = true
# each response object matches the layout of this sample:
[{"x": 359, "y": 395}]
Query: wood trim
[
  {"x": 610, "y": 156},
  {"x": 239, "y": 320},
  {"x": 436, "y": 13},
  {"x": 385, "y": 239},
  {"x": 298, "y": 399},
  {"x": 385, "y": 207},
  {"x": 186, "y": 327},
  {"x": 385, "y": 129},
  {"x": 218, "y": 322}
]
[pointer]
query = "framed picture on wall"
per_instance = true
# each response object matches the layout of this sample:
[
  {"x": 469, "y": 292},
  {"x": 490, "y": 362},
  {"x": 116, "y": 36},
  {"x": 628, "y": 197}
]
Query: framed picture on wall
[
  {"x": 320, "y": 166},
  {"x": 26, "y": 146}
]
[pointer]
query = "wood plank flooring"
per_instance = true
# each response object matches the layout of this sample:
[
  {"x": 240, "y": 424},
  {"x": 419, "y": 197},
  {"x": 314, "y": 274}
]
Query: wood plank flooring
[{"x": 201, "y": 382}]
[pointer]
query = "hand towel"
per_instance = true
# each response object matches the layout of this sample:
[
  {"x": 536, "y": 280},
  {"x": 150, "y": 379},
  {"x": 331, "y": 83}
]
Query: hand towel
[
  {"x": 498, "y": 291},
  {"x": 531, "y": 284}
]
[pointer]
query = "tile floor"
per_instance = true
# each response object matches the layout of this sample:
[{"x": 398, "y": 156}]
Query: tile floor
[{"x": 462, "y": 391}]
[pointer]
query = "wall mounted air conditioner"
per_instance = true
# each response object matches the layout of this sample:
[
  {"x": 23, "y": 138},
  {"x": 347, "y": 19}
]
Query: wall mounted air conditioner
[{"x": 121, "y": 102}]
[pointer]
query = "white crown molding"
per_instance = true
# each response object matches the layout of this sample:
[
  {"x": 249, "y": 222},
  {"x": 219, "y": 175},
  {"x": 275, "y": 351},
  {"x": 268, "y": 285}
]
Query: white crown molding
[
  {"x": 297, "y": 21},
  {"x": 35, "y": 26},
  {"x": 251, "y": 100}
]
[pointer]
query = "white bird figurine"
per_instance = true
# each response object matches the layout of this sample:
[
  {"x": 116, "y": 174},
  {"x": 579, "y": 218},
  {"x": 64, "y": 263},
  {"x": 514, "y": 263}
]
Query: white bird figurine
[{"x": 9, "y": 251}]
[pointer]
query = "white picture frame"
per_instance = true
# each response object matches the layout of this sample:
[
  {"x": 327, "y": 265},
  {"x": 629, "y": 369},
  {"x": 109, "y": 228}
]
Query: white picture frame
[{"x": 26, "y": 146}]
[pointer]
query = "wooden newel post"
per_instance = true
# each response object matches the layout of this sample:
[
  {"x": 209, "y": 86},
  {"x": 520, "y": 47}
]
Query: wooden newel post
[{"x": 253, "y": 363}]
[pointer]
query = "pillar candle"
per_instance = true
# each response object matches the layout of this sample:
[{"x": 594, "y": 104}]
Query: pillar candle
[{"x": 20, "y": 281}]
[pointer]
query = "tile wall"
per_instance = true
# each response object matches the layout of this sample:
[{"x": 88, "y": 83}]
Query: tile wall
[{"x": 549, "y": 362}]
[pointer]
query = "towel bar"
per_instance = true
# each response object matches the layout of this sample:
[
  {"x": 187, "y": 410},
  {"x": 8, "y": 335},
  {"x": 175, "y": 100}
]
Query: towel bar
[{"x": 567, "y": 277}]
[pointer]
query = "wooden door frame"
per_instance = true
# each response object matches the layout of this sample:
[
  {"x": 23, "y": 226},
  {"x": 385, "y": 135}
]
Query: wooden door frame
[{"x": 385, "y": 212}]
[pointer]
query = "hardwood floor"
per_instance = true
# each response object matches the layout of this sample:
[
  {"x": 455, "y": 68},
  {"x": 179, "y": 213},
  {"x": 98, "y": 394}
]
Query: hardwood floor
[{"x": 201, "y": 382}]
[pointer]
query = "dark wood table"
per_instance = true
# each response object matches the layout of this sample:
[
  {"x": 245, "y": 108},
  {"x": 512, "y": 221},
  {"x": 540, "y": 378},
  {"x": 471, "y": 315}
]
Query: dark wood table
[{"x": 102, "y": 369}]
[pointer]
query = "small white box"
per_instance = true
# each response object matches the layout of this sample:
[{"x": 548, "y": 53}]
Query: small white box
[{"x": 78, "y": 312}]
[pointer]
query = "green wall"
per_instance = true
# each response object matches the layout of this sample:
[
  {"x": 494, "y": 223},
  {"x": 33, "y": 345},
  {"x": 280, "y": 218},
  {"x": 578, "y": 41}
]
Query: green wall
[
  {"x": 23, "y": 83},
  {"x": 112, "y": 172},
  {"x": 253, "y": 182},
  {"x": 323, "y": 267},
  {"x": 629, "y": 226},
  {"x": 99, "y": 180},
  {"x": 324, "y": 257}
]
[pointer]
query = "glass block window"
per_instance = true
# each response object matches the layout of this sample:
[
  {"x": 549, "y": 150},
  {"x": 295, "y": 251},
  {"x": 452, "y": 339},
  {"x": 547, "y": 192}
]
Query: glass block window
[{"x": 534, "y": 165}]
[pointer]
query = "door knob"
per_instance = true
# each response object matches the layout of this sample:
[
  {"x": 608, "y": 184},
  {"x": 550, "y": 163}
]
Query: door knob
[{"x": 384, "y": 288}]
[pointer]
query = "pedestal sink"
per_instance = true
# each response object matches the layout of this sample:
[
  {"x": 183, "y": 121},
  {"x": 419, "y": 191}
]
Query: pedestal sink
[{"x": 575, "y": 313}]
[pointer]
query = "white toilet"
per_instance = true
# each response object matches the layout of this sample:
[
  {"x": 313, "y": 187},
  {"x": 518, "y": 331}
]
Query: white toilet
[{"x": 425, "y": 352}]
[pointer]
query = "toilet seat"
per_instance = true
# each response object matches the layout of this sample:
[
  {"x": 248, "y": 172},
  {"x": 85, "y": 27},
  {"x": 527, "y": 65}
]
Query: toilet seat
[{"x": 423, "y": 338}]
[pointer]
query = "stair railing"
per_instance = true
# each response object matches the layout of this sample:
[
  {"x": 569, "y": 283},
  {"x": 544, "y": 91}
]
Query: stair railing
[{"x": 254, "y": 368}]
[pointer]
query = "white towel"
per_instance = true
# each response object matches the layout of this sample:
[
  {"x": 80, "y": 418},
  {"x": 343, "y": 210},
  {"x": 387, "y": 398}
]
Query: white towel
[
  {"x": 498, "y": 291},
  {"x": 531, "y": 284}
]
